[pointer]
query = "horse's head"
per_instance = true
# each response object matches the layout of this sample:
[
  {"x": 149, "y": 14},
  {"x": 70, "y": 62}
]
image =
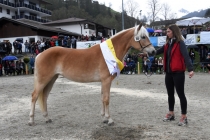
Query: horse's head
[{"x": 141, "y": 40}]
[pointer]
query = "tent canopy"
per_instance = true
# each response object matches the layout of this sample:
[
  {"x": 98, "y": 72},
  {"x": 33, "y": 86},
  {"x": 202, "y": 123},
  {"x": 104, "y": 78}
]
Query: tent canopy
[{"x": 193, "y": 21}]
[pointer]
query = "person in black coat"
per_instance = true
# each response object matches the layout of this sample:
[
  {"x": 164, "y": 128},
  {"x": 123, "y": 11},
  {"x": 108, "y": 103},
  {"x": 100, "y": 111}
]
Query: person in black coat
[
  {"x": 192, "y": 55},
  {"x": 208, "y": 62}
]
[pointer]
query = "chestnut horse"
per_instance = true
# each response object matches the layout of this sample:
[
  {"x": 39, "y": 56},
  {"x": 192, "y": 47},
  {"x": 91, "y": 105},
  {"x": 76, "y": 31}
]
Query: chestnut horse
[{"x": 84, "y": 65}]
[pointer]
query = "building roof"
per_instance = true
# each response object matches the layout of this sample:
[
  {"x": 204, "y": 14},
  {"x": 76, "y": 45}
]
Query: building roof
[
  {"x": 72, "y": 20},
  {"x": 68, "y": 20},
  {"x": 38, "y": 26}
]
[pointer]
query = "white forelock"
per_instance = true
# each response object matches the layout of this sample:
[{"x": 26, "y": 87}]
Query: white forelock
[{"x": 142, "y": 32}]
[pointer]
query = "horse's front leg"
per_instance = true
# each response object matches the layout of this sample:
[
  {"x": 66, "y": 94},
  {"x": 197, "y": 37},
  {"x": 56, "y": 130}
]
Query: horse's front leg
[{"x": 105, "y": 97}]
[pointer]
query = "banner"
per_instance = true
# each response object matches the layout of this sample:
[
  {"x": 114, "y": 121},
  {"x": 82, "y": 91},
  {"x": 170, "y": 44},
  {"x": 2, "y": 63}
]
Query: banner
[
  {"x": 161, "y": 40},
  {"x": 154, "y": 41},
  {"x": 205, "y": 37},
  {"x": 87, "y": 44},
  {"x": 192, "y": 39}
]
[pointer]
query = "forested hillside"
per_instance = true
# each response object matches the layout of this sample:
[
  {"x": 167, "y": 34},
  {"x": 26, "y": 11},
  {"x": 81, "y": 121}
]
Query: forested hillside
[{"x": 92, "y": 11}]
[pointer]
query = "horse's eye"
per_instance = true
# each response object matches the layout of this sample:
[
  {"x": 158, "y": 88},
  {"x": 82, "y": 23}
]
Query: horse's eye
[{"x": 143, "y": 37}]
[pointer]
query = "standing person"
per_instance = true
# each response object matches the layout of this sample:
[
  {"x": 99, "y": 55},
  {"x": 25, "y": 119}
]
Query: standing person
[
  {"x": 9, "y": 47},
  {"x": 73, "y": 42},
  {"x": 202, "y": 52},
  {"x": 1, "y": 69},
  {"x": 1, "y": 66},
  {"x": 69, "y": 43},
  {"x": 26, "y": 46},
  {"x": 92, "y": 37},
  {"x": 145, "y": 65},
  {"x": 160, "y": 65},
  {"x": 6, "y": 67},
  {"x": 31, "y": 63},
  {"x": 184, "y": 32},
  {"x": 52, "y": 43},
  {"x": 47, "y": 44},
  {"x": 175, "y": 58},
  {"x": 12, "y": 68},
  {"x": 22, "y": 67},
  {"x": 208, "y": 62},
  {"x": 19, "y": 48},
  {"x": 192, "y": 55}
]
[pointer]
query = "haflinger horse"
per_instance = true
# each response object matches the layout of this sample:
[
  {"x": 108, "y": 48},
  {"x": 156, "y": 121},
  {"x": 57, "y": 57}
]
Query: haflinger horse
[{"x": 84, "y": 65}]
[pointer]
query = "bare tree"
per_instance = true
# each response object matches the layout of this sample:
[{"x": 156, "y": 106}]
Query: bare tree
[
  {"x": 172, "y": 16},
  {"x": 165, "y": 11},
  {"x": 155, "y": 8},
  {"x": 132, "y": 8}
]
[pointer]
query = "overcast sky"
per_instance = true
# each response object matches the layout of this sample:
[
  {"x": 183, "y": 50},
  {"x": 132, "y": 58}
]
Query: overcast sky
[{"x": 175, "y": 5}]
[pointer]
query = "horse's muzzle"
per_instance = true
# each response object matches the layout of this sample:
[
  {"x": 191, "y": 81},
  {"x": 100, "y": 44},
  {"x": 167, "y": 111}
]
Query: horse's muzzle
[{"x": 153, "y": 53}]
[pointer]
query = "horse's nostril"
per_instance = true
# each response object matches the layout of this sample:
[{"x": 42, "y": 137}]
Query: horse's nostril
[{"x": 153, "y": 52}]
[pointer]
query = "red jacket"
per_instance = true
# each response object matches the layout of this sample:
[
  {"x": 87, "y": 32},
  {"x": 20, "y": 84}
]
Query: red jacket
[{"x": 177, "y": 63}]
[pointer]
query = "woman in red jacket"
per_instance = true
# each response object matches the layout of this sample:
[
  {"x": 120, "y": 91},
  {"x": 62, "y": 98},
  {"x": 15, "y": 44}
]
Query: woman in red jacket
[{"x": 175, "y": 59}]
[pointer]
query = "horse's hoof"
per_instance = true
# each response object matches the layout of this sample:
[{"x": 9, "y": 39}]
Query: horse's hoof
[
  {"x": 110, "y": 123},
  {"x": 105, "y": 121},
  {"x": 49, "y": 121},
  {"x": 31, "y": 123}
]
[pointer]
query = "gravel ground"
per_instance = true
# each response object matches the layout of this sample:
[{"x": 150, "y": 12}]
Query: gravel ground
[{"x": 137, "y": 106}]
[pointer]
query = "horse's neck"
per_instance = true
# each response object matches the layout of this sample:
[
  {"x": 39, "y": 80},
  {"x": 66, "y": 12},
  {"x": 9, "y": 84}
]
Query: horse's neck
[{"x": 121, "y": 42}]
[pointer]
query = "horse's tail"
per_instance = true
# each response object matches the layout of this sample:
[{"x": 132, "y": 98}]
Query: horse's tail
[{"x": 41, "y": 100}]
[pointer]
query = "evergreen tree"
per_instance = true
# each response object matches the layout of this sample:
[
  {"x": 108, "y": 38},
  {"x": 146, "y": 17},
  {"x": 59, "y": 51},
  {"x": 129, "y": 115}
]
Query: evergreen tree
[{"x": 85, "y": 9}]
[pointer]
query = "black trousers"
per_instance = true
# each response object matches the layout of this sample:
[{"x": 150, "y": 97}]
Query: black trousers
[{"x": 176, "y": 80}]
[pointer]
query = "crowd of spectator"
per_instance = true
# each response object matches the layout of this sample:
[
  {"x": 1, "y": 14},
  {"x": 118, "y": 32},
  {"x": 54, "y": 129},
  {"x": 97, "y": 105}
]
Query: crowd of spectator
[
  {"x": 152, "y": 65},
  {"x": 130, "y": 63},
  {"x": 15, "y": 67}
]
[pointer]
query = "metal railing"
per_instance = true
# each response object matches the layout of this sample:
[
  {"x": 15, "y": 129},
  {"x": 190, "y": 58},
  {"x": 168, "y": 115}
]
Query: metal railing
[
  {"x": 22, "y": 4},
  {"x": 30, "y": 18},
  {"x": 33, "y": 7},
  {"x": 7, "y": 3}
]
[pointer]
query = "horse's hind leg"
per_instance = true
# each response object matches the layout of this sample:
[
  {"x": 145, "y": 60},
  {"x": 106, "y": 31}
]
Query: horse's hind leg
[
  {"x": 37, "y": 90},
  {"x": 41, "y": 93},
  {"x": 105, "y": 91},
  {"x": 46, "y": 92}
]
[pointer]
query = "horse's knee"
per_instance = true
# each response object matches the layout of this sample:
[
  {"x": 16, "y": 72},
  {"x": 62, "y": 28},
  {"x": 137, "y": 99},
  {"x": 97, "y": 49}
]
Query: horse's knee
[
  {"x": 106, "y": 100},
  {"x": 34, "y": 96}
]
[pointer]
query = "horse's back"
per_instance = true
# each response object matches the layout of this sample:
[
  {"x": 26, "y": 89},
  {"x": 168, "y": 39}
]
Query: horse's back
[{"x": 81, "y": 65}]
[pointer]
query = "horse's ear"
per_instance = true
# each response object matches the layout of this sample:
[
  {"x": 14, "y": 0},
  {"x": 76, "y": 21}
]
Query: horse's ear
[{"x": 140, "y": 25}]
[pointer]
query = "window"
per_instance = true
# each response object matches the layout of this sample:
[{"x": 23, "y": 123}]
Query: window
[
  {"x": 85, "y": 26},
  {"x": 8, "y": 11},
  {"x": 89, "y": 26},
  {"x": 32, "y": 14},
  {"x": 0, "y": 9}
]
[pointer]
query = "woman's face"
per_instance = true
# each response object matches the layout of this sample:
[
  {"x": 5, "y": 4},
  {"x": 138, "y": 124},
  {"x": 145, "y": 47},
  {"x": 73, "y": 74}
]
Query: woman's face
[{"x": 169, "y": 33}]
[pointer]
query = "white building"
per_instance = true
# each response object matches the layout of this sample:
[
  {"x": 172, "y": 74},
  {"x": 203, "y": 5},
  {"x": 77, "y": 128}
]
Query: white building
[
  {"x": 81, "y": 26},
  {"x": 25, "y": 9}
]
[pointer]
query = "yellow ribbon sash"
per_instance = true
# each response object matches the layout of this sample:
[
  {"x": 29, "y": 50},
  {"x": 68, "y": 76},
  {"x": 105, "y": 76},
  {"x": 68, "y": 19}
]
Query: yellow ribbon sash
[{"x": 111, "y": 47}]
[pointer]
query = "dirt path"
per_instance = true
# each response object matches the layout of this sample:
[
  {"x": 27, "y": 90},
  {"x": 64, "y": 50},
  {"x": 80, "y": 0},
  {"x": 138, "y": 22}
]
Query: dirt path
[{"x": 137, "y": 106}]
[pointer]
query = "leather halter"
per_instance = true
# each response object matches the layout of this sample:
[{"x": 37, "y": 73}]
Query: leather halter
[{"x": 144, "y": 46}]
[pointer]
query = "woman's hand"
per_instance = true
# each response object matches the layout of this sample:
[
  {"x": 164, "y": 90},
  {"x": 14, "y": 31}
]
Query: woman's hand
[{"x": 191, "y": 74}]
